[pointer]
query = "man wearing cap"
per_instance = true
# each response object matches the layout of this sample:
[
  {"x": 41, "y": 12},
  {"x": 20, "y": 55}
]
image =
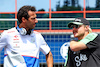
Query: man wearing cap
[{"x": 86, "y": 51}]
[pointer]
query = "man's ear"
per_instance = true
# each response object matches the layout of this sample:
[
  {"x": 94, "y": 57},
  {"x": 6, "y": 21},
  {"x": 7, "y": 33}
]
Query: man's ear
[
  {"x": 23, "y": 19},
  {"x": 87, "y": 27}
]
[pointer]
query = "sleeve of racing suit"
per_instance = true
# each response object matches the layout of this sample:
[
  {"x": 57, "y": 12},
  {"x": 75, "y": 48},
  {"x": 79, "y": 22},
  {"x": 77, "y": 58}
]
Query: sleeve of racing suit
[{"x": 2, "y": 40}]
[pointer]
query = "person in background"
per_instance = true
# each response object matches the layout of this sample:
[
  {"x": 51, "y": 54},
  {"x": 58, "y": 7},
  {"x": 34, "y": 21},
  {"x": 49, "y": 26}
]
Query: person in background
[
  {"x": 85, "y": 51},
  {"x": 22, "y": 44}
]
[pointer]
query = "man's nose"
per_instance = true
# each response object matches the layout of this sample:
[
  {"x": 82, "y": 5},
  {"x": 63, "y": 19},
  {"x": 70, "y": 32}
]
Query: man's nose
[{"x": 36, "y": 21}]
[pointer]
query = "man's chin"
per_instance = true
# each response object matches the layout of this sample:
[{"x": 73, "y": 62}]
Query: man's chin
[{"x": 32, "y": 27}]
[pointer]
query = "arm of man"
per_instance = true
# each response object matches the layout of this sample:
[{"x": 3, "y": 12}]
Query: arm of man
[
  {"x": 49, "y": 59},
  {"x": 76, "y": 46},
  {"x": 82, "y": 44},
  {"x": 3, "y": 40}
]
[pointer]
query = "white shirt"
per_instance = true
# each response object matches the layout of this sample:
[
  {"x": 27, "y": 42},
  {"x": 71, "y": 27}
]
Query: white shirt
[{"x": 22, "y": 51}]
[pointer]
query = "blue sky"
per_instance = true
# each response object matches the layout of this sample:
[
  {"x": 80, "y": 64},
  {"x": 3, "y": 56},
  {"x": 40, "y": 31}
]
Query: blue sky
[{"x": 9, "y": 5}]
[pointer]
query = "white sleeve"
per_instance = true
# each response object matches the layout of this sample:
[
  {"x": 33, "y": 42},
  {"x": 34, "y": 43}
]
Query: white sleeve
[
  {"x": 44, "y": 47},
  {"x": 2, "y": 40}
]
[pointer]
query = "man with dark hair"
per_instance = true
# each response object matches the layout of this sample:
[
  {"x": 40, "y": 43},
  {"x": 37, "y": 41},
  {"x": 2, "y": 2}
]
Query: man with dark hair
[
  {"x": 22, "y": 44},
  {"x": 85, "y": 51},
  {"x": 23, "y": 12}
]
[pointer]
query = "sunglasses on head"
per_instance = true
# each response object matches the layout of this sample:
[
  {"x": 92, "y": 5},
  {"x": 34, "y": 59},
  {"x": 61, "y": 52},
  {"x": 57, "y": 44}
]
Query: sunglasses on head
[{"x": 75, "y": 26}]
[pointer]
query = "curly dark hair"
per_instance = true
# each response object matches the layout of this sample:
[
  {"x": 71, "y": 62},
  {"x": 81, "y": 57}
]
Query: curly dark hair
[{"x": 23, "y": 12}]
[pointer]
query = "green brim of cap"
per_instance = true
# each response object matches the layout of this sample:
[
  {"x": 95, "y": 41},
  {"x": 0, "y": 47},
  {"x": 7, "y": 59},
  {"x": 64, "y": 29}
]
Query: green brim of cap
[{"x": 74, "y": 23}]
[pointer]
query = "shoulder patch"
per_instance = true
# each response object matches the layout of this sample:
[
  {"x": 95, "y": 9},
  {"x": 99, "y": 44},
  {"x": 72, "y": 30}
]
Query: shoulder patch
[
  {"x": 89, "y": 37},
  {"x": 10, "y": 31}
]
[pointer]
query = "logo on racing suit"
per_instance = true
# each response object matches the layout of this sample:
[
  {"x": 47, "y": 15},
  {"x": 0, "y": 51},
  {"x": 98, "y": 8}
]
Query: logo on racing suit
[
  {"x": 78, "y": 59},
  {"x": 16, "y": 41}
]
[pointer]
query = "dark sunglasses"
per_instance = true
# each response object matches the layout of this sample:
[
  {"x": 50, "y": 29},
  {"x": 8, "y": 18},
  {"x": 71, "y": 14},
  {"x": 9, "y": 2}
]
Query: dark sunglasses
[{"x": 75, "y": 26}]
